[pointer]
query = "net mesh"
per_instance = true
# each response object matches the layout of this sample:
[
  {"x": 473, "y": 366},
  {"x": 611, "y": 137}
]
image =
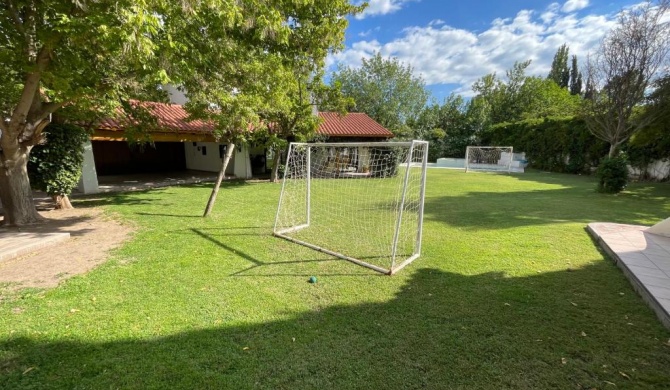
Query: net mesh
[
  {"x": 361, "y": 200},
  {"x": 488, "y": 158}
]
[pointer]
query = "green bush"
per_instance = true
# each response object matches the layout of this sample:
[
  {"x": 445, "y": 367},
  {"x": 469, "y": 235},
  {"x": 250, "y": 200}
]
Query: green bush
[
  {"x": 612, "y": 174},
  {"x": 551, "y": 144},
  {"x": 55, "y": 166}
]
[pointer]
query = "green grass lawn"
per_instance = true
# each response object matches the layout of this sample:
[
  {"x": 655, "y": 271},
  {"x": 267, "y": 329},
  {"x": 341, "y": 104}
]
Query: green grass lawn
[{"x": 510, "y": 292}]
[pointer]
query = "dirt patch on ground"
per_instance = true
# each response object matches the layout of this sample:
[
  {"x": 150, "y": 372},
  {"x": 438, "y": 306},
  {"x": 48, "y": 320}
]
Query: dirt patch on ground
[{"x": 92, "y": 235}]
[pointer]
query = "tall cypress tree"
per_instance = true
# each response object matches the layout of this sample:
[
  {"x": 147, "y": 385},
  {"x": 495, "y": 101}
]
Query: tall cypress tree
[
  {"x": 575, "y": 78},
  {"x": 560, "y": 72}
]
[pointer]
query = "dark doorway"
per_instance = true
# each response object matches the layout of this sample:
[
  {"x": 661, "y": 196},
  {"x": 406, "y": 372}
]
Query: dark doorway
[{"x": 115, "y": 158}]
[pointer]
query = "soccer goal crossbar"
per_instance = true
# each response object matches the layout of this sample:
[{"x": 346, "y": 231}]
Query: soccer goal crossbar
[{"x": 359, "y": 201}]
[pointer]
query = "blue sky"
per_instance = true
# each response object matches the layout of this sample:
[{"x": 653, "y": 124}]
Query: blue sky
[{"x": 451, "y": 44}]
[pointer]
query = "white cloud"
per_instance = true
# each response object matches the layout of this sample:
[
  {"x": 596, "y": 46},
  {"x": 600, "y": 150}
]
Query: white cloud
[
  {"x": 381, "y": 7},
  {"x": 574, "y": 5},
  {"x": 368, "y": 32},
  {"x": 442, "y": 54}
]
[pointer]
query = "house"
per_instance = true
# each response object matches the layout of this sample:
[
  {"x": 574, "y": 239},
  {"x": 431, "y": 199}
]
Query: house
[{"x": 179, "y": 144}]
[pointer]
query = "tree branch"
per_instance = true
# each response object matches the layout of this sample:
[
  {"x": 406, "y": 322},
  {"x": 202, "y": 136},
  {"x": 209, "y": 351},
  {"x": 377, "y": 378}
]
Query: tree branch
[{"x": 30, "y": 88}]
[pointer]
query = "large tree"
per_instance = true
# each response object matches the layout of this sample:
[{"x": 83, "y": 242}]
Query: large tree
[
  {"x": 256, "y": 74},
  {"x": 385, "y": 89},
  {"x": 57, "y": 53},
  {"x": 575, "y": 78},
  {"x": 449, "y": 127},
  {"x": 620, "y": 71},
  {"x": 294, "y": 116},
  {"x": 560, "y": 73},
  {"x": 502, "y": 100},
  {"x": 518, "y": 97},
  {"x": 95, "y": 55},
  {"x": 541, "y": 98},
  {"x": 652, "y": 142}
]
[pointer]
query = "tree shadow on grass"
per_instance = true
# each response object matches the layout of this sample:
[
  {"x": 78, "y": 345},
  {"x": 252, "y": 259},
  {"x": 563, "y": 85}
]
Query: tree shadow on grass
[
  {"x": 139, "y": 198},
  {"x": 260, "y": 265},
  {"x": 441, "y": 330},
  {"x": 127, "y": 198}
]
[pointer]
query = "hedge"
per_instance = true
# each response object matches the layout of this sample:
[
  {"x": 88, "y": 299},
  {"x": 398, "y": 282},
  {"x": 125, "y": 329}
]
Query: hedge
[{"x": 551, "y": 144}]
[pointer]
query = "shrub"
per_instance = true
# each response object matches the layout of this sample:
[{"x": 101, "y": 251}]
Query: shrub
[
  {"x": 55, "y": 166},
  {"x": 612, "y": 174}
]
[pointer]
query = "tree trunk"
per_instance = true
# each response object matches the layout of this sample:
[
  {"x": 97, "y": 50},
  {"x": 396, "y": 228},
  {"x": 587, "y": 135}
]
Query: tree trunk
[
  {"x": 212, "y": 198},
  {"x": 15, "y": 192},
  {"x": 612, "y": 150},
  {"x": 62, "y": 202},
  {"x": 276, "y": 158}
]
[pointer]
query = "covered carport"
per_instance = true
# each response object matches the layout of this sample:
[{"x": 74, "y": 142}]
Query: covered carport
[{"x": 176, "y": 146}]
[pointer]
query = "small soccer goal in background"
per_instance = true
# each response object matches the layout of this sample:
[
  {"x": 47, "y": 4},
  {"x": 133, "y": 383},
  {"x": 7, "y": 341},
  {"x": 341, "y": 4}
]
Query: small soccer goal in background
[
  {"x": 362, "y": 202},
  {"x": 489, "y": 158}
]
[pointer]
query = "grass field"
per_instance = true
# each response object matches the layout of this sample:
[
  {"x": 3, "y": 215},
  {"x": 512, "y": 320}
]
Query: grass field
[{"x": 510, "y": 292}]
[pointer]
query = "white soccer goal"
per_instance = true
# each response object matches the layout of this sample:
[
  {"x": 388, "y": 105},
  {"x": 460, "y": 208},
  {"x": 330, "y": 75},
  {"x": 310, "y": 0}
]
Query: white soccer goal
[
  {"x": 362, "y": 202},
  {"x": 489, "y": 158}
]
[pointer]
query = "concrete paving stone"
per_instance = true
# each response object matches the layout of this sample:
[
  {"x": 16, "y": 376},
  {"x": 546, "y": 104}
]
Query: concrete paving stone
[
  {"x": 637, "y": 270},
  {"x": 661, "y": 280},
  {"x": 14, "y": 244},
  {"x": 654, "y": 252},
  {"x": 640, "y": 263},
  {"x": 646, "y": 258},
  {"x": 663, "y": 266},
  {"x": 660, "y": 261},
  {"x": 659, "y": 292},
  {"x": 665, "y": 303},
  {"x": 631, "y": 255},
  {"x": 623, "y": 249},
  {"x": 658, "y": 239}
]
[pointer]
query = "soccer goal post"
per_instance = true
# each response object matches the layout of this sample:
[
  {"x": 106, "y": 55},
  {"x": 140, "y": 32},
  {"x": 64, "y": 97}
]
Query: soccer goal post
[
  {"x": 362, "y": 202},
  {"x": 489, "y": 158}
]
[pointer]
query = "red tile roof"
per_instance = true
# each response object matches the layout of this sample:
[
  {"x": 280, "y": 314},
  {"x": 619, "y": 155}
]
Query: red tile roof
[
  {"x": 353, "y": 124},
  {"x": 173, "y": 118}
]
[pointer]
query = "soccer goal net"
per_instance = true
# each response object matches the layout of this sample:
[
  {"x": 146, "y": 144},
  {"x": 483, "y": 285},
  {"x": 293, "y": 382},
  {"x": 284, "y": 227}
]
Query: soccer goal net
[
  {"x": 362, "y": 202},
  {"x": 488, "y": 158}
]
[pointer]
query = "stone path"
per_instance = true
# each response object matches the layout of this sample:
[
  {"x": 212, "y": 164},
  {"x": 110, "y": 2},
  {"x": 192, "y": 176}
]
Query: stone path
[
  {"x": 644, "y": 259},
  {"x": 14, "y": 244}
]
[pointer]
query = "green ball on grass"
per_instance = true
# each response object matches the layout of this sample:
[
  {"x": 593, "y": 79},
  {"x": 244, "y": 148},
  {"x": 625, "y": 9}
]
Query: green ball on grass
[{"x": 312, "y": 279}]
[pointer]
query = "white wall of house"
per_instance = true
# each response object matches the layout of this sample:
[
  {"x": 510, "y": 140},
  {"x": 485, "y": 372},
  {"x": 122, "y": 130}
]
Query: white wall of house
[
  {"x": 88, "y": 182},
  {"x": 242, "y": 168},
  {"x": 206, "y": 156}
]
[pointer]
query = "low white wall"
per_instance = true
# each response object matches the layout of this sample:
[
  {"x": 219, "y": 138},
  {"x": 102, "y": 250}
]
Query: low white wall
[
  {"x": 451, "y": 162},
  {"x": 657, "y": 170}
]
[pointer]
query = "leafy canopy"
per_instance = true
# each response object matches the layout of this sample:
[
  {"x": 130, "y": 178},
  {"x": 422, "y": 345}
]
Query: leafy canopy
[{"x": 385, "y": 89}]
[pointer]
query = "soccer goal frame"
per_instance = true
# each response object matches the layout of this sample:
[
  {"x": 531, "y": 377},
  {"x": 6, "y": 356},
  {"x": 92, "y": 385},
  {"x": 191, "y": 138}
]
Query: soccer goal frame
[
  {"x": 401, "y": 217},
  {"x": 489, "y": 158}
]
